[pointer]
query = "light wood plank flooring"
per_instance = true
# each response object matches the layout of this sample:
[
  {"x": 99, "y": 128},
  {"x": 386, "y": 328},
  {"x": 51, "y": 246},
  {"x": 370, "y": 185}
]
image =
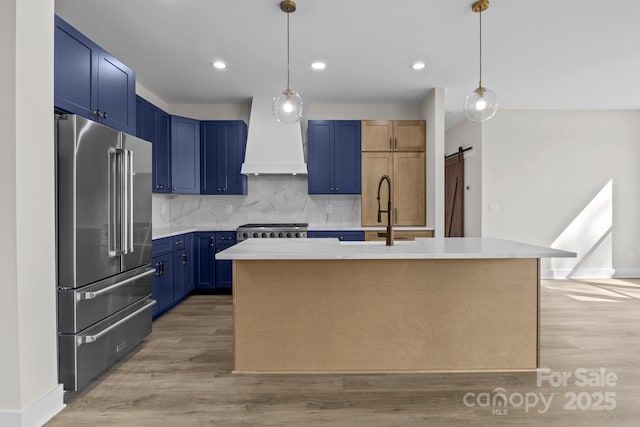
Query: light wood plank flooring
[{"x": 181, "y": 375}]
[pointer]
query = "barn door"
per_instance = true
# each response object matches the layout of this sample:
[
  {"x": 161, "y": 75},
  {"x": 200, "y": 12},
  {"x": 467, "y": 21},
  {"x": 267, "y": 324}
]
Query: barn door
[{"x": 454, "y": 195}]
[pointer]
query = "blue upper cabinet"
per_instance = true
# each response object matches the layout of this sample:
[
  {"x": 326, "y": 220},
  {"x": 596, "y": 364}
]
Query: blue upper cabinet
[
  {"x": 90, "y": 82},
  {"x": 334, "y": 159},
  {"x": 116, "y": 93},
  {"x": 185, "y": 155},
  {"x": 222, "y": 153},
  {"x": 161, "y": 154},
  {"x": 75, "y": 71},
  {"x": 154, "y": 125}
]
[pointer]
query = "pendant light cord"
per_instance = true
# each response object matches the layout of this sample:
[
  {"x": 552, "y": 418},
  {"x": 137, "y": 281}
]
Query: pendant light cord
[
  {"x": 480, "y": 38},
  {"x": 288, "y": 88}
]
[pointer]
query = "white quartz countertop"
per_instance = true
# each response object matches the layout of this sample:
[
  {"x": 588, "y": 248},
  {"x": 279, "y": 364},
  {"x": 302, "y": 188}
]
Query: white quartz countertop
[{"x": 426, "y": 248}]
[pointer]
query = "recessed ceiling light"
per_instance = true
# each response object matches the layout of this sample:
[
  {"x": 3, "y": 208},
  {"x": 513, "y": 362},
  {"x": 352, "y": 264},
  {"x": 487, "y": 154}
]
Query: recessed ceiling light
[
  {"x": 318, "y": 65},
  {"x": 219, "y": 65},
  {"x": 417, "y": 66}
]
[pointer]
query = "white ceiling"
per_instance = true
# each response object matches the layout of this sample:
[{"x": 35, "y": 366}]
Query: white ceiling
[{"x": 542, "y": 54}]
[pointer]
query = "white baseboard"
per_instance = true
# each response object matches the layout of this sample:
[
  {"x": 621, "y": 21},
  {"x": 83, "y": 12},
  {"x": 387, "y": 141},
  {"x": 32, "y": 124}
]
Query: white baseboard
[
  {"x": 583, "y": 273},
  {"x": 37, "y": 413},
  {"x": 627, "y": 273},
  {"x": 590, "y": 273}
]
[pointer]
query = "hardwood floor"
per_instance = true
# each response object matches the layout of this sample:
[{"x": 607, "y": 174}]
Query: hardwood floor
[{"x": 181, "y": 376}]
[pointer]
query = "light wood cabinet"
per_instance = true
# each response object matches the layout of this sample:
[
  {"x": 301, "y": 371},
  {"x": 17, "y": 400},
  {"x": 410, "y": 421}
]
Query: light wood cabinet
[
  {"x": 407, "y": 173},
  {"x": 393, "y": 135},
  {"x": 409, "y": 188},
  {"x": 396, "y": 149},
  {"x": 371, "y": 235},
  {"x": 374, "y": 166}
]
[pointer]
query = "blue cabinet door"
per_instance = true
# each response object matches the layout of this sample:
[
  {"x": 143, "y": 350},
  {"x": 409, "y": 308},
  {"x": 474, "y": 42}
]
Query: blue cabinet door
[
  {"x": 190, "y": 263},
  {"x": 116, "y": 93},
  {"x": 224, "y": 268},
  {"x": 334, "y": 157},
  {"x": 204, "y": 265},
  {"x": 162, "y": 284},
  {"x": 179, "y": 273},
  {"x": 149, "y": 121},
  {"x": 154, "y": 125},
  {"x": 75, "y": 71},
  {"x": 222, "y": 153},
  {"x": 161, "y": 154},
  {"x": 235, "y": 147},
  {"x": 319, "y": 156},
  {"x": 185, "y": 155},
  {"x": 347, "y": 157},
  {"x": 211, "y": 135},
  {"x": 139, "y": 112}
]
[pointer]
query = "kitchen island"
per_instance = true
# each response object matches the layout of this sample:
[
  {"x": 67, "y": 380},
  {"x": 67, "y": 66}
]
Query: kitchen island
[{"x": 444, "y": 304}]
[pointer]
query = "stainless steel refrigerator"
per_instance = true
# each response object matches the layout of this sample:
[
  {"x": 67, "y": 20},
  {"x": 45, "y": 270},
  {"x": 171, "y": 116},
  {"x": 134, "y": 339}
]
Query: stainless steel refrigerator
[{"x": 103, "y": 190}]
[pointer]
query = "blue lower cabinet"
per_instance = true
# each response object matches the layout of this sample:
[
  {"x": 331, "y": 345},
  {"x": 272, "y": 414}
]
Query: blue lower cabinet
[
  {"x": 224, "y": 268},
  {"x": 183, "y": 268},
  {"x": 204, "y": 256},
  {"x": 162, "y": 284},
  {"x": 174, "y": 261},
  {"x": 224, "y": 274},
  {"x": 354, "y": 236}
]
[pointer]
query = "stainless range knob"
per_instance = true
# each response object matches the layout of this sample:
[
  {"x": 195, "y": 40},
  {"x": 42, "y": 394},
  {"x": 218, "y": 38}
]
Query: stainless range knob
[
  {"x": 280, "y": 234},
  {"x": 256, "y": 234},
  {"x": 297, "y": 234},
  {"x": 272, "y": 235},
  {"x": 288, "y": 234},
  {"x": 245, "y": 235},
  {"x": 264, "y": 235}
]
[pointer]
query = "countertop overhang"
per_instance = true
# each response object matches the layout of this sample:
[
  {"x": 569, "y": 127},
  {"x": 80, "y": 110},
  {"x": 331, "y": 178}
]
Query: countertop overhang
[{"x": 421, "y": 248}]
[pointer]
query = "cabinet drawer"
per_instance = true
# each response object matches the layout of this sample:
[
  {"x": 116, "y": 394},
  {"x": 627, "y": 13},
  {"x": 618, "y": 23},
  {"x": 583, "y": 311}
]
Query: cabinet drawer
[
  {"x": 86, "y": 355},
  {"x": 356, "y": 236},
  {"x": 162, "y": 246},
  {"x": 225, "y": 238}
]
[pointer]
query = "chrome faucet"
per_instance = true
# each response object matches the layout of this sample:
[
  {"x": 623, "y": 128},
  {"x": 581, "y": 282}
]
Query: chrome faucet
[{"x": 389, "y": 233}]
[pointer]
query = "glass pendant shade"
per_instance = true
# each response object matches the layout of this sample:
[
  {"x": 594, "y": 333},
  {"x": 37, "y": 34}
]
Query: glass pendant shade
[
  {"x": 287, "y": 108},
  {"x": 480, "y": 105}
]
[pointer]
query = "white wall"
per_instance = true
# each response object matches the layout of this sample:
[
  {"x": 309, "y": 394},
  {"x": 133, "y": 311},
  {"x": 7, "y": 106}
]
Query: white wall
[
  {"x": 433, "y": 113},
  {"x": 469, "y": 134},
  {"x": 566, "y": 179},
  {"x": 29, "y": 394}
]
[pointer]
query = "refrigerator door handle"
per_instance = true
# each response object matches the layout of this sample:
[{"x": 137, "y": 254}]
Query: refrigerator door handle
[
  {"x": 91, "y": 295},
  {"x": 124, "y": 174},
  {"x": 115, "y": 227},
  {"x": 130, "y": 202}
]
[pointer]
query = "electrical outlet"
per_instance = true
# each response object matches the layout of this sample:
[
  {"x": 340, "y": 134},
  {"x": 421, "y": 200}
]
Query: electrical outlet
[
  {"x": 494, "y": 208},
  {"x": 329, "y": 208},
  {"x": 229, "y": 209}
]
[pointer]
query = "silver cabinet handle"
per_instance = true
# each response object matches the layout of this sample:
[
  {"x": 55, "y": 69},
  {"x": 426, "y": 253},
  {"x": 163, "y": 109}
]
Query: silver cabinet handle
[
  {"x": 92, "y": 338},
  {"x": 91, "y": 295}
]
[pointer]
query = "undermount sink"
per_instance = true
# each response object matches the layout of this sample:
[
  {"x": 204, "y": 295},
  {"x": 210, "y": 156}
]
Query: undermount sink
[{"x": 379, "y": 243}]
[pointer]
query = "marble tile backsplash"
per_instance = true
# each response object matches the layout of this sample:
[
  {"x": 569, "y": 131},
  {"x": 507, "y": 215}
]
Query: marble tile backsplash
[{"x": 271, "y": 198}]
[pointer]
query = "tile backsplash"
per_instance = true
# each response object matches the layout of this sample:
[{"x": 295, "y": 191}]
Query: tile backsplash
[{"x": 271, "y": 198}]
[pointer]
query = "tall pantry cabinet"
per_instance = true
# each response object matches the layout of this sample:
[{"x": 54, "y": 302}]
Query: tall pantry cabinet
[{"x": 394, "y": 148}]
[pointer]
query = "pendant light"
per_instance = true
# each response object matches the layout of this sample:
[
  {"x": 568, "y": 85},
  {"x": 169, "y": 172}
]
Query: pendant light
[
  {"x": 482, "y": 103},
  {"x": 287, "y": 108}
]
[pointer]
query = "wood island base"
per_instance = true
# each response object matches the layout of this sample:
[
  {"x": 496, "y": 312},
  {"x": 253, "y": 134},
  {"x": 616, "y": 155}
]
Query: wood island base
[{"x": 389, "y": 315}]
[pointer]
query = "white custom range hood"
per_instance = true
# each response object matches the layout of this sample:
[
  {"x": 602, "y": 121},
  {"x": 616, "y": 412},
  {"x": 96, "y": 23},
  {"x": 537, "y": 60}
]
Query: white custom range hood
[{"x": 272, "y": 147}]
